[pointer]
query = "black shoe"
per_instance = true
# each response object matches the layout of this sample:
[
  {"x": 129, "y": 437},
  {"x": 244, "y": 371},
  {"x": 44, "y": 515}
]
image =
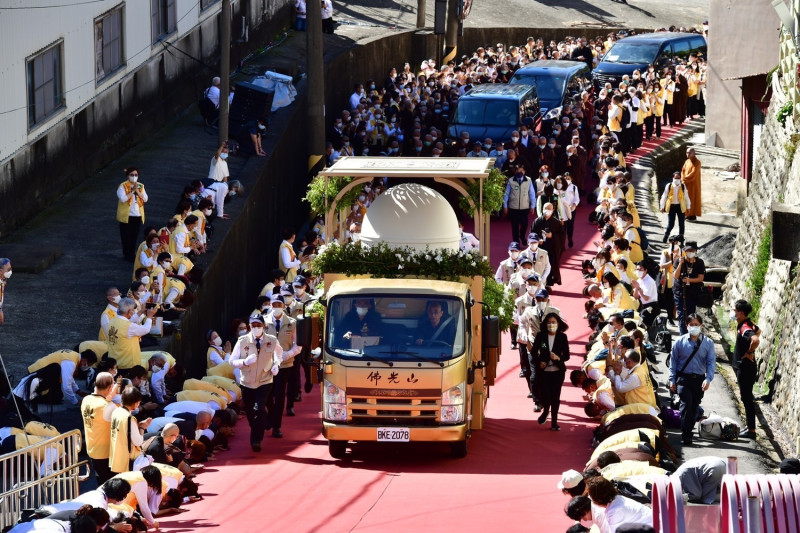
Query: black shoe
[
  {"x": 542, "y": 418},
  {"x": 289, "y": 411},
  {"x": 530, "y": 395},
  {"x": 513, "y": 345},
  {"x": 256, "y": 446},
  {"x": 687, "y": 442},
  {"x": 277, "y": 433},
  {"x": 308, "y": 386},
  {"x": 745, "y": 433},
  {"x": 665, "y": 238},
  {"x": 536, "y": 407},
  {"x": 267, "y": 427},
  {"x": 298, "y": 397},
  {"x": 691, "y": 218},
  {"x": 555, "y": 427},
  {"x": 521, "y": 374},
  {"x": 571, "y": 244}
]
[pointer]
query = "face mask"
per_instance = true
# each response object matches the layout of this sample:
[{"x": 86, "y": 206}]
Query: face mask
[
  {"x": 541, "y": 306},
  {"x": 262, "y": 127},
  {"x": 533, "y": 246},
  {"x": 558, "y": 186},
  {"x": 515, "y": 138},
  {"x": 142, "y": 296},
  {"x": 542, "y": 146},
  {"x": 552, "y": 328},
  {"x": 524, "y": 133},
  {"x": 145, "y": 280},
  {"x": 676, "y": 182},
  {"x": 694, "y": 331},
  {"x": 362, "y": 198},
  {"x": 167, "y": 265},
  {"x": 157, "y": 369},
  {"x": 640, "y": 274},
  {"x": 207, "y": 212},
  {"x": 548, "y": 212},
  {"x": 277, "y": 312},
  {"x": 487, "y": 147},
  {"x": 532, "y": 289},
  {"x": 362, "y": 311},
  {"x": 133, "y": 179},
  {"x": 545, "y": 174},
  {"x": 216, "y": 341},
  {"x": 282, "y": 283},
  {"x": 7, "y": 274},
  {"x": 257, "y": 330},
  {"x": 223, "y": 155},
  {"x": 690, "y": 255},
  {"x": 552, "y": 145},
  {"x": 242, "y": 332},
  {"x": 500, "y": 152},
  {"x": 116, "y": 299}
]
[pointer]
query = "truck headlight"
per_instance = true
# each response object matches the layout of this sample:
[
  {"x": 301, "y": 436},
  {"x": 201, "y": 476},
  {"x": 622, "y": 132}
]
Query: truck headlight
[
  {"x": 335, "y": 402},
  {"x": 452, "y": 410}
]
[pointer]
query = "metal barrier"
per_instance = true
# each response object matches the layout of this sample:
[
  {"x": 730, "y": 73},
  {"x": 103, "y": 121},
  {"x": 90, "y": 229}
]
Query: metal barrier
[{"x": 40, "y": 474}]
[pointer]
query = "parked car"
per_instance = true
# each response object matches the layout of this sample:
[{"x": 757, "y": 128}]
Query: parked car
[
  {"x": 638, "y": 52},
  {"x": 556, "y": 82},
  {"x": 495, "y": 110}
]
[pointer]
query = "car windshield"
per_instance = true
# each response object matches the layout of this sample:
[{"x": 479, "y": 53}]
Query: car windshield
[
  {"x": 394, "y": 328},
  {"x": 636, "y": 53},
  {"x": 479, "y": 112},
  {"x": 548, "y": 86}
]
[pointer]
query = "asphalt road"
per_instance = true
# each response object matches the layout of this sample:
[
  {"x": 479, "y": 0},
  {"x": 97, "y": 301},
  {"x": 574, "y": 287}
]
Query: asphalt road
[{"x": 366, "y": 18}]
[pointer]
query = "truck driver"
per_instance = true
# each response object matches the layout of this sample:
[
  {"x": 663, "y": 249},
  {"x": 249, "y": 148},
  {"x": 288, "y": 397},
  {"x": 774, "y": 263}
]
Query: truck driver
[{"x": 437, "y": 325}]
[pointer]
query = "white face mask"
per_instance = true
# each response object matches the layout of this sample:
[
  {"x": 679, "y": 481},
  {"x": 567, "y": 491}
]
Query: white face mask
[
  {"x": 552, "y": 328},
  {"x": 533, "y": 247},
  {"x": 242, "y": 332},
  {"x": 207, "y": 212},
  {"x": 548, "y": 212},
  {"x": 154, "y": 246},
  {"x": 362, "y": 311},
  {"x": 694, "y": 331},
  {"x": 116, "y": 299},
  {"x": 145, "y": 280},
  {"x": 690, "y": 255},
  {"x": 257, "y": 330},
  {"x": 216, "y": 341},
  {"x": 545, "y": 174},
  {"x": 532, "y": 289},
  {"x": 7, "y": 274},
  {"x": 300, "y": 291},
  {"x": 142, "y": 296},
  {"x": 277, "y": 312},
  {"x": 541, "y": 306},
  {"x": 676, "y": 182},
  {"x": 167, "y": 265},
  {"x": 640, "y": 274},
  {"x": 133, "y": 179}
]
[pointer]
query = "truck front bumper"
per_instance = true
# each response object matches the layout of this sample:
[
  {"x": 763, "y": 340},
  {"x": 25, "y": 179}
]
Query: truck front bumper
[{"x": 333, "y": 431}]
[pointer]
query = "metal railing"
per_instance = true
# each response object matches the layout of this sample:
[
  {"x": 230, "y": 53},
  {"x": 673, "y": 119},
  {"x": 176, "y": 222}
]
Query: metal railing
[{"x": 40, "y": 474}]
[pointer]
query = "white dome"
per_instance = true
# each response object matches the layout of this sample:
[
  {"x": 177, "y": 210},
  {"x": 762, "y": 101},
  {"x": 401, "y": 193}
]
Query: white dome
[{"x": 411, "y": 215}]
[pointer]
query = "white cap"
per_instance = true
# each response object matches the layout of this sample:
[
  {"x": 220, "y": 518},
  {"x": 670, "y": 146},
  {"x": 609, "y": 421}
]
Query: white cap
[{"x": 570, "y": 479}]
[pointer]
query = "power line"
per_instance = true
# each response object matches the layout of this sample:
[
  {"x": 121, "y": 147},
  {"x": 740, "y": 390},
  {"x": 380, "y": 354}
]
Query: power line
[{"x": 53, "y": 6}]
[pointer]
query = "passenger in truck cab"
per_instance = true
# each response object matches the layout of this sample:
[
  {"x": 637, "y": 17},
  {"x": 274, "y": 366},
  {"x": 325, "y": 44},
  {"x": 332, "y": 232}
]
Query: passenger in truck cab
[
  {"x": 437, "y": 326},
  {"x": 361, "y": 321}
]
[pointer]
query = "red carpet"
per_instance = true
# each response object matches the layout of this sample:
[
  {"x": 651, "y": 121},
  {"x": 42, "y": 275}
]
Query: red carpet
[{"x": 507, "y": 482}]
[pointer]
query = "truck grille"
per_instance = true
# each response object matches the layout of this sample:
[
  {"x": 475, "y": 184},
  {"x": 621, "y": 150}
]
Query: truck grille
[{"x": 401, "y": 412}]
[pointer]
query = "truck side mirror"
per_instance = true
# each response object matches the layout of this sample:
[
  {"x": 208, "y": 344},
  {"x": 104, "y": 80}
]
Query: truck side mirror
[
  {"x": 491, "y": 332},
  {"x": 303, "y": 329}
]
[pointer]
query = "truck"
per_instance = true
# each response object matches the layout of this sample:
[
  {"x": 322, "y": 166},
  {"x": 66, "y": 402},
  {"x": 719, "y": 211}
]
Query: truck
[{"x": 410, "y": 358}]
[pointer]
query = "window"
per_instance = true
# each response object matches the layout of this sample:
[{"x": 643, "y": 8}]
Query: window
[
  {"x": 108, "y": 49},
  {"x": 162, "y": 18},
  {"x": 204, "y": 4},
  {"x": 681, "y": 48},
  {"x": 45, "y": 84}
]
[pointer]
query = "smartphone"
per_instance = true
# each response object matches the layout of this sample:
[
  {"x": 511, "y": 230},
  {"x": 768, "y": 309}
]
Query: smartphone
[{"x": 149, "y": 305}]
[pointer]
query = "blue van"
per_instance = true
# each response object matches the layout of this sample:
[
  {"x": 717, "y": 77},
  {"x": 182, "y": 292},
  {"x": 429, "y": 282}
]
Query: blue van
[
  {"x": 495, "y": 110},
  {"x": 639, "y": 51},
  {"x": 555, "y": 81}
]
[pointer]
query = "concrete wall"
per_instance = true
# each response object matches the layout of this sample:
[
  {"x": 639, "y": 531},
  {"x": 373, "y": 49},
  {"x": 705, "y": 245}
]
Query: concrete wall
[
  {"x": 753, "y": 51},
  {"x": 100, "y": 123}
]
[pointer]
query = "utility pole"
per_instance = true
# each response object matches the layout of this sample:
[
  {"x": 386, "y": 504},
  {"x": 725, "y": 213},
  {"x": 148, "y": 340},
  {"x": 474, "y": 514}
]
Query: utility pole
[
  {"x": 451, "y": 32},
  {"x": 225, "y": 70},
  {"x": 420, "y": 14},
  {"x": 316, "y": 84}
]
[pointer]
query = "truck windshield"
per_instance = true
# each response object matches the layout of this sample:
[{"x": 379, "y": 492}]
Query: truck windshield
[
  {"x": 395, "y": 328},
  {"x": 478, "y": 112},
  {"x": 548, "y": 86},
  {"x": 634, "y": 53}
]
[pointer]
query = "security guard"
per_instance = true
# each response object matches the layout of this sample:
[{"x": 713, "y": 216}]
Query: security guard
[
  {"x": 508, "y": 266},
  {"x": 258, "y": 357},
  {"x": 519, "y": 202},
  {"x": 521, "y": 304},
  {"x": 280, "y": 325},
  {"x": 691, "y": 370},
  {"x": 131, "y": 198},
  {"x": 688, "y": 281}
]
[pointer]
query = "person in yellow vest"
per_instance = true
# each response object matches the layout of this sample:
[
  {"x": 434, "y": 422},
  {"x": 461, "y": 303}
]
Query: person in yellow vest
[
  {"x": 197, "y": 384},
  {"x": 226, "y": 383},
  {"x": 258, "y": 356},
  {"x": 634, "y": 385},
  {"x": 667, "y": 266},
  {"x": 279, "y": 324},
  {"x": 204, "y": 210},
  {"x": 215, "y": 401},
  {"x": 112, "y": 298},
  {"x": 277, "y": 278},
  {"x": 127, "y": 433},
  {"x": 124, "y": 335},
  {"x": 631, "y": 234},
  {"x": 131, "y": 198},
  {"x": 147, "y": 253},
  {"x": 676, "y": 202},
  {"x": 690, "y": 175},
  {"x": 96, "y": 411},
  {"x": 216, "y": 353},
  {"x": 601, "y": 395},
  {"x": 158, "y": 283},
  {"x": 5, "y": 274},
  {"x": 287, "y": 258},
  {"x": 149, "y": 494},
  {"x": 618, "y": 297},
  {"x": 615, "y": 117},
  {"x": 68, "y": 361},
  {"x": 180, "y": 245},
  {"x": 668, "y": 84}
]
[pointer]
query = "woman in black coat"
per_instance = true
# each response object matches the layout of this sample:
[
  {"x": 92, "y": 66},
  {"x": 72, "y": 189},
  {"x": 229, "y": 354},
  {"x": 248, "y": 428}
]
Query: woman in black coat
[{"x": 551, "y": 352}]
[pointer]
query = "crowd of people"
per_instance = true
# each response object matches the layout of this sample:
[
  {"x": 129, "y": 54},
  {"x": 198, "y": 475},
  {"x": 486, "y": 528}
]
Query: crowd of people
[{"x": 147, "y": 426}]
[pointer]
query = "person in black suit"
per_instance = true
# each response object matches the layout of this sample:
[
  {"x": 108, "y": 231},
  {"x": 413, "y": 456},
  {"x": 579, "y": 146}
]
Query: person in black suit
[
  {"x": 437, "y": 326},
  {"x": 550, "y": 354},
  {"x": 553, "y": 231}
]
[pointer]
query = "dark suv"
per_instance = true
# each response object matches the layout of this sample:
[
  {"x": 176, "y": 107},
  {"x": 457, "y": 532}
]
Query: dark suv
[
  {"x": 638, "y": 52},
  {"x": 555, "y": 81},
  {"x": 495, "y": 110}
]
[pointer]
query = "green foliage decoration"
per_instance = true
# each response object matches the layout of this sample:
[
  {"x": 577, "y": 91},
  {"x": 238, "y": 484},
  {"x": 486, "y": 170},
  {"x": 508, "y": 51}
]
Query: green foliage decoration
[
  {"x": 494, "y": 187},
  {"x": 499, "y": 301},
  {"x": 321, "y": 197},
  {"x": 756, "y": 282}
]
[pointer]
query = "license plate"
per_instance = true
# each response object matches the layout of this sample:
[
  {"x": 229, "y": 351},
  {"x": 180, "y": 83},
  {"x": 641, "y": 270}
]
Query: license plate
[{"x": 393, "y": 434}]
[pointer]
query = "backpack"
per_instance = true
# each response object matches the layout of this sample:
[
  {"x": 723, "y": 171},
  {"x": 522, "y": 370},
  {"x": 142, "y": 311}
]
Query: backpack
[{"x": 626, "y": 117}]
